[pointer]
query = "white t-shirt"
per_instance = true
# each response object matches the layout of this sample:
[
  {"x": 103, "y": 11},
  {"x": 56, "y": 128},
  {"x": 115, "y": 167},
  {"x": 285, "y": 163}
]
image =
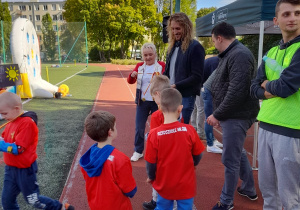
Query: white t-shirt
[{"x": 148, "y": 73}]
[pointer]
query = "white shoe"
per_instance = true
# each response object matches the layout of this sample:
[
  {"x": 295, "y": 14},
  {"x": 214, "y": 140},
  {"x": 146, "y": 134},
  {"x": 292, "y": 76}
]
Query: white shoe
[
  {"x": 136, "y": 156},
  {"x": 217, "y": 143},
  {"x": 214, "y": 149}
]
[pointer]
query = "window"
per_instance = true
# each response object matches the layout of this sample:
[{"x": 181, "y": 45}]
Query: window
[
  {"x": 22, "y": 7},
  {"x": 54, "y": 17},
  {"x": 53, "y": 7},
  {"x": 10, "y": 8},
  {"x": 23, "y": 16},
  {"x": 60, "y": 7},
  {"x": 37, "y": 17},
  {"x": 36, "y": 7},
  {"x": 60, "y": 17},
  {"x": 55, "y": 27},
  {"x": 29, "y": 7},
  {"x": 30, "y": 17},
  {"x": 45, "y": 7},
  {"x": 38, "y": 27}
]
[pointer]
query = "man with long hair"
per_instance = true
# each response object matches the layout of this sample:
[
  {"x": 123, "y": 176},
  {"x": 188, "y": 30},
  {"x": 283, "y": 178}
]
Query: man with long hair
[
  {"x": 185, "y": 61},
  {"x": 279, "y": 115}
]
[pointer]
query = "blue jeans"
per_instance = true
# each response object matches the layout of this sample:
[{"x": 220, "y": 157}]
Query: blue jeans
[
  {"x": 143, "y": 110},
  {"x": 235, "y": 160},
  {"x": 188, "y": 107},
  {"x": 24, "y": 180},
  {"x": 164, "y": 204},
  {"x": 208, "y": 110}
]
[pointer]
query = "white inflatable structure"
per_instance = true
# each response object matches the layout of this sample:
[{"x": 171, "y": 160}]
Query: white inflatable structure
[{"x": 25, "y": 51}]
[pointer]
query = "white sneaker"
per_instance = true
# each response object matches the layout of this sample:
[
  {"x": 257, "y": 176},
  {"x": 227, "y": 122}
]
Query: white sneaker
[
  {"x": 217, "y": 143},
  {"x": 136, "y": 156},
  {"x": 214, "y": 149}
]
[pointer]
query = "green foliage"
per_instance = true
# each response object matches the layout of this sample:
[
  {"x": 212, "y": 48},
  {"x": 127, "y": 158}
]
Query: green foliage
[
  {"x": 211, "y": 51},
  {"x": 49, "y": 36},
  {"x": 5, "y": 19},
  {"x": 204, "y": 11},
  {"x": 125, "y": 61},
  {"x": 252, "y": 42}
]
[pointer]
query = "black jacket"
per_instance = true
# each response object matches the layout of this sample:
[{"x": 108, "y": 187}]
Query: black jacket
[
  {"x": 188, "y": 69},
  {"x": 231, "y": 87}
]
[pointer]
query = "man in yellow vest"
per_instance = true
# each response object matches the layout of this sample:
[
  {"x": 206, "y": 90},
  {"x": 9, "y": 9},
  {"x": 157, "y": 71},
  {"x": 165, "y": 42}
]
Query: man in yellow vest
[{"x": 277, "y": 84}]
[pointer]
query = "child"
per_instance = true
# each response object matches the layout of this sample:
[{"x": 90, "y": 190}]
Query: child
[
  {"x": 19, "y": 142},
  {"x": 106, "y": 170},
  {"x": 172, "y": 151}
]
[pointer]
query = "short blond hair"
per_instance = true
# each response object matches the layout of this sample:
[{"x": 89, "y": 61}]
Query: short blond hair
[
  {"x": 170, "y": 100},
  {"x": 159, "y": 83},
  {"x": 148, "y": 46},
  {"x": 10, "y": 100}
]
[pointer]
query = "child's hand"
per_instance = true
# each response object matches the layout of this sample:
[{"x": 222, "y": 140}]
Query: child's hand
[
  {"x": 149, "y": 181},
  {"x": 134, "y": 74}
]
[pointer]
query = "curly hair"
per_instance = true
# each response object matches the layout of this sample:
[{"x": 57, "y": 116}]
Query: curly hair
[{"x": 188, "y": 33}]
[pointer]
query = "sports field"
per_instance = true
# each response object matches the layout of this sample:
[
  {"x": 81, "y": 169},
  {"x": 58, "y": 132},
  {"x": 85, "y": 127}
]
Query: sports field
[{"x": 60, "y": 123}]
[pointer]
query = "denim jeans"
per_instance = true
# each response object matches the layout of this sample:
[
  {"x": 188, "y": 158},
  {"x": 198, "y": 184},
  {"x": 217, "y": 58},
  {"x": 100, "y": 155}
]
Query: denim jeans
[
  {"x": 165, "y": 204},
  {"x": 235, "y": 160},
  {"x": 24, "y": 180},
  {"x": 208, "y": 110},
  {"x": 188, "y": 107},
  {"x": 143, "y": 110}
]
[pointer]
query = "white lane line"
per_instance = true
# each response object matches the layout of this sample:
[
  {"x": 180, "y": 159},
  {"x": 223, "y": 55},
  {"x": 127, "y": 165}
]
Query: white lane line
[{"x": 59, "y": 82}]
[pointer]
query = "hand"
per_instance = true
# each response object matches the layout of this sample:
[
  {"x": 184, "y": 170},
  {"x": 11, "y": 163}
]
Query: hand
[
  {"x": 173, "y": 86},
  {"x": 134, "y": 74},
  {"x": 211, "y": 120},
  {"x": 268, "y": 95},
  {"x": 263, "y": 85},
  {"x": 149, "y": 181}
]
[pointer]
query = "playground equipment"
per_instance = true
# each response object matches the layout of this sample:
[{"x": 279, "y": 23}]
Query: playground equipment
[{"x": 26, "y": 53}]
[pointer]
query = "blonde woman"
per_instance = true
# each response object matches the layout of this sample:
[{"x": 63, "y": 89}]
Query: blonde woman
[{"x": 143, "y": 74}]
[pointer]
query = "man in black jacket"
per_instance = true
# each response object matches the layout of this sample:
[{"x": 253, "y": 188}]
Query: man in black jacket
[
  {"x": 234, "y": 110},
  {"x": 185, "y": 61}
]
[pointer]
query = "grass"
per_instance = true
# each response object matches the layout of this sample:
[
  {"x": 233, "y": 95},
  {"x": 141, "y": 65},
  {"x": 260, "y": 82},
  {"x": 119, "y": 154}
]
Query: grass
[{"x": 61, "y": 126}]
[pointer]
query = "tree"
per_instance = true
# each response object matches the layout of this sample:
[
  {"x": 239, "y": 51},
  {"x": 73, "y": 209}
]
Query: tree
[
  {"x": 206, "y": 41},
  {"x": 6, "y": 23},
  {"x": 49, "y": 36}
]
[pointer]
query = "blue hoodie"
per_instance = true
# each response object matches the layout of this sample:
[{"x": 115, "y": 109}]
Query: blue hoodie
[{"x": 93, "y": 160}]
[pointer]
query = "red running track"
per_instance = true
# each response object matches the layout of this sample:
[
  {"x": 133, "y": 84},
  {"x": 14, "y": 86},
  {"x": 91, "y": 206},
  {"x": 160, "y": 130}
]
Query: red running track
[{"x": 117, "y": 96}]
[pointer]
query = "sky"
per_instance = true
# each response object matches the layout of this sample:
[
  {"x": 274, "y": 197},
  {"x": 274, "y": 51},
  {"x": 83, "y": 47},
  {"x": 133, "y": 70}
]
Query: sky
[{"x": 212, "y": 3}]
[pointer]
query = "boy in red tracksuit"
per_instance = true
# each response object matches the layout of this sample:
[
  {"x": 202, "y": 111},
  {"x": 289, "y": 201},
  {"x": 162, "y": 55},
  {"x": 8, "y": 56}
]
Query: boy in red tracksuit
[
  {"x": 18, "y": 143},
  {"x": 172, "y": 151},
  {"x": 106, "y": 170}
]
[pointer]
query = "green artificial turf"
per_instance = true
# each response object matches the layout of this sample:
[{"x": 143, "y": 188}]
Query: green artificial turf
[{"x": 60, "y": 123}]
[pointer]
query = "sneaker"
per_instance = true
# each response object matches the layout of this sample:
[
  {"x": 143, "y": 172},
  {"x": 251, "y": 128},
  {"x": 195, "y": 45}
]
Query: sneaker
[
  {"x": 217, "y": 143},
  {"x": 136, "y": 156},
  {"x": 67, "y": 206},
  {"x": 214, "y": 149},
  {"x": 149, "y": 205},
  {"x": 221, "y": 206},
  {"x": 242, "y": 193}
]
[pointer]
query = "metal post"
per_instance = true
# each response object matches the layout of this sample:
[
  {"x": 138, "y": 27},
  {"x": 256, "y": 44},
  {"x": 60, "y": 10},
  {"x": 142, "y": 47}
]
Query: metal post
[
  {"x": 3, "y": 43},
  {"x": 171, "y": 7},
  {"x": 255, "y": 146},
  {"x": 177, "y": 6},
  {"x": 59, "y": 57},
  {"x": 86, "y": 45},
  {"x": 261, "y": 42}
]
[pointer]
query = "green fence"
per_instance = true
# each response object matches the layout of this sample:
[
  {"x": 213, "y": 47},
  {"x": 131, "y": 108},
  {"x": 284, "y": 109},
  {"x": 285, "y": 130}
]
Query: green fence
[{"x": 60, "y": 43}]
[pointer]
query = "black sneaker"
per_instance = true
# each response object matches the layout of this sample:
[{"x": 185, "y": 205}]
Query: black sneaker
[
  {"x": 221, "y": 206},
  {"x": 149, "y": 205},
  {"x": 242, "y": 193},
  {"x": 67, "y": 206}
]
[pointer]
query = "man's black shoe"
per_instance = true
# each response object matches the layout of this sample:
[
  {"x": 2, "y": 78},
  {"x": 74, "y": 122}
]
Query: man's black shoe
[
  {"x": 149, "y": 205},
  {"x": 251, "y": 197}
]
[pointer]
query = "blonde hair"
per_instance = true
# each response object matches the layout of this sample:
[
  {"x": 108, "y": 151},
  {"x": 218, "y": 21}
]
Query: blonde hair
[
  {"x": 148, "y": 46},
  {"x": 188, "y": 32},
  {"x": 10, "y": 100},
  {"x": 170, "y": 99},
  {"x": 159, "y": 83}
]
